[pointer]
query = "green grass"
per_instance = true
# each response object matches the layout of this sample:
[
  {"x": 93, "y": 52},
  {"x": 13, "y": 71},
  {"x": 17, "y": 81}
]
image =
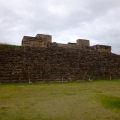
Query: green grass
[
  {"x": 111, "y": 102},
  {"x": 95, "y": 100}
]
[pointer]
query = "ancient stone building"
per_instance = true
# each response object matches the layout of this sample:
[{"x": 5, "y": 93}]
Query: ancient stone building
[
  {"x": 102, "y": 48},
  {"x": 41, "y": 40},
  {"x": 40, "y": 59},
  {"x": 83, "y": 42}
]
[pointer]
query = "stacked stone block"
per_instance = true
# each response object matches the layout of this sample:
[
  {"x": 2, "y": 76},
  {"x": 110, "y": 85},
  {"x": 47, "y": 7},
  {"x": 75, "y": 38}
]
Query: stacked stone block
[
  {"x": 83, "y": 42},
  {"x": 24, "y": 64},
  {"x": 40, "y": 40},
  {"x": 102, "y": 48}
]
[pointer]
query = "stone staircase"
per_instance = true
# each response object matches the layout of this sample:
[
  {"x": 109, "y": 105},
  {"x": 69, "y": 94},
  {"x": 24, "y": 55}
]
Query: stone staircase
[{"x": 24, "y": 64}]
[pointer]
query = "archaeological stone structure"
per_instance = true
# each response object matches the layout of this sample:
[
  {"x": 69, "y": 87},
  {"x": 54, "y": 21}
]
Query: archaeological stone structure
[
  {"x": 41, "y": 40},
  {"x": 40, "y": 59}
]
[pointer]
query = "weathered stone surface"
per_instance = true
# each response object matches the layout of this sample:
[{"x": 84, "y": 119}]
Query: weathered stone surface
[
  {"x": 53, "y": 63},
  {"x": 102, "y": 48},
  {"x": 40, "y": 59},
  {"x": 42, "y": 40},
  {"x": 83, "y": 42}
]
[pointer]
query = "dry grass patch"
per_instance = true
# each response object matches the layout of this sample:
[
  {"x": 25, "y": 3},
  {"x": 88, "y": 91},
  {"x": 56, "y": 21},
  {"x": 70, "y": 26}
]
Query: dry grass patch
[{"x": 60, "y": 101}]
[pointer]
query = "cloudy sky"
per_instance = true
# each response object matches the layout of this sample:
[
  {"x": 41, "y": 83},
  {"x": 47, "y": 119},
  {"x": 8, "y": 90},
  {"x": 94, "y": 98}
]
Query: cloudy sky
[{"x": 65, "y": 20}]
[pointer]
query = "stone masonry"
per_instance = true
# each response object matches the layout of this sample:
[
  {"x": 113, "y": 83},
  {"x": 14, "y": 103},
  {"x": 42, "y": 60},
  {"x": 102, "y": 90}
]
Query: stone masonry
[
  {"x": 41, "y": 40},
  {"x": 52, "y": 62}
]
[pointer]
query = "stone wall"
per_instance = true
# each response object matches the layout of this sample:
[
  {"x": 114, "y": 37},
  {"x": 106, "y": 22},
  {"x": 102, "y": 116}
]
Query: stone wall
[
  {"x": 23, "y": 64},
  {"x": 102, "y": 48},
  {"x": 40, "y": 40},
  {"x": 83, "y": 42},
  {"x": 32, "y": 41}
]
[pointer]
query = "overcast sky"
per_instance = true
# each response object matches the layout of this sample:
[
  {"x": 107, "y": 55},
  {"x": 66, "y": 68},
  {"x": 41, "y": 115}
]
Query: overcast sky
[{"x": 66, "y": 20}]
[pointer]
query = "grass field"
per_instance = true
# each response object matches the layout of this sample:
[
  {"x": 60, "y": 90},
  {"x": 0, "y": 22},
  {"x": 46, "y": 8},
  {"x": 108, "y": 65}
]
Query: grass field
[{"x": 95, "y": 100}]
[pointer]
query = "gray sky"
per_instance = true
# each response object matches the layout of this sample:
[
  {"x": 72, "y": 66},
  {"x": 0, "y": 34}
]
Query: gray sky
[{"x": 65, "y": 20}]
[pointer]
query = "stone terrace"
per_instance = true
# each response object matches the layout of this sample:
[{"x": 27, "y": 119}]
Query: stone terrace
[{"x": 23, "y": 64}]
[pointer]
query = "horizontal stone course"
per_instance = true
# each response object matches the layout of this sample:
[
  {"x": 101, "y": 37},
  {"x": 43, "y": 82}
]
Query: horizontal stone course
[
  {"x": 24, "y": 64},
  {"x": 42, "y": 40}
]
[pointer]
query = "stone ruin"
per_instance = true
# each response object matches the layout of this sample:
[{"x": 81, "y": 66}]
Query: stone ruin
[
  {"x": 40, "y": 59},
  {"x": 41, "y": 40}
]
